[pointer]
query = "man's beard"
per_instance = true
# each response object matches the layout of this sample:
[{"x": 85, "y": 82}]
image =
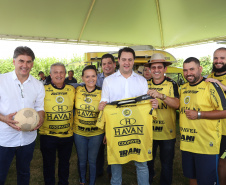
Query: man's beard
[{"x": 220, "y": 70}]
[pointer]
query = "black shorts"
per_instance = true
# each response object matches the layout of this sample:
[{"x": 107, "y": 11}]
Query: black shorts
[{"x": 222, "y": 154}]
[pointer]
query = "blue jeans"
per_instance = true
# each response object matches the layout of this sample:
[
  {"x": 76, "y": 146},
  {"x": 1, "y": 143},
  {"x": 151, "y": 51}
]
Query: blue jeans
[
  {"x": 166, "y": 158},
  {"x": 141, "y": 169},
  {"x": 24, "y": 155},
  {"x": 49, "y": 146},
  {"x": 87, "y": 150}
]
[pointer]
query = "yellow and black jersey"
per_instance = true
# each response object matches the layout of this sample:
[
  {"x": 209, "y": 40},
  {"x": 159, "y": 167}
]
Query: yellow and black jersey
[
  {"x": 58, "y": 105},
  {"x": 149, "y": 82},
  {"x": 128, "y": 129},
  {"x": 86, "y": 111},
  {"x": 201, "y": 136},
  {"x": 164, "y": 128},
  {"x": 222, "y": 79}
]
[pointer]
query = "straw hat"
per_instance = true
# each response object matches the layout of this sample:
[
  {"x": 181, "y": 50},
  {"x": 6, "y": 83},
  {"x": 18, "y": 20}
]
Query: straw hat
[{"x": 156, "y": 58}]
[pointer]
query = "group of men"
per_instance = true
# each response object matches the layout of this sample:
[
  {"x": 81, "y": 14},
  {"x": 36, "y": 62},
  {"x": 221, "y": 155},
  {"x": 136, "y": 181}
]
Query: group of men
[{"x": 201, "y": 103}]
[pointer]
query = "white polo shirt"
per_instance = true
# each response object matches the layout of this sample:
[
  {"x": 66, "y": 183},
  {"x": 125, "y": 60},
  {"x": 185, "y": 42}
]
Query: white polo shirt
[
  {"x": 117, "y": 87},
  {"x": 13, "y": 97}
]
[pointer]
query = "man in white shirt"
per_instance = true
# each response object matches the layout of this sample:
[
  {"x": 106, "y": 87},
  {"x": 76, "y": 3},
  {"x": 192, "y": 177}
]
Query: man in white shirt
[
  {"x": 125, "y": 83},
  {"x": 19, "y": 90}
]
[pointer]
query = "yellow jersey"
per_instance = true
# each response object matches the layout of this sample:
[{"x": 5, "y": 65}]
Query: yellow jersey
[
  {"x": 128, "y": 130},
  {"x": 58, "y": 106},
  {"x": 222, "y": 79},
  {"x": 86, "y": 111},
  {"x": 164, "y": 128},
  {"x": 201, "y": 136}
]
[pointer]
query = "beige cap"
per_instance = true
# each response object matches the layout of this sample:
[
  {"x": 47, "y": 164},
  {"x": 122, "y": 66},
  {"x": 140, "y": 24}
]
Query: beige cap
[{"x": 156, "y": 58}]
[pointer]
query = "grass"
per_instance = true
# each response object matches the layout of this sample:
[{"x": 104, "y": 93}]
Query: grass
[{"x": 129, "y": 170}]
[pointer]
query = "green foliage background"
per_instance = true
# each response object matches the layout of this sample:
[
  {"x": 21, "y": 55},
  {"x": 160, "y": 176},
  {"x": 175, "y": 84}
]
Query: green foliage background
[{"x": 43, "y": 64}]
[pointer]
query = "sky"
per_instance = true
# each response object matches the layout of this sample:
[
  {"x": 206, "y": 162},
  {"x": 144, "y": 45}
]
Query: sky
[{"x": 67, "y": 51}]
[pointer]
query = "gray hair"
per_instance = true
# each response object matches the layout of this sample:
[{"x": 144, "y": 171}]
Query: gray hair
[{"x": 57, "y": 64}]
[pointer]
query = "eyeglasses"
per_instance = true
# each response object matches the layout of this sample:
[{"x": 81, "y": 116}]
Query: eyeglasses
[
  {"x": 156, "y": 67},
  {"x": 21, "y": 89}
]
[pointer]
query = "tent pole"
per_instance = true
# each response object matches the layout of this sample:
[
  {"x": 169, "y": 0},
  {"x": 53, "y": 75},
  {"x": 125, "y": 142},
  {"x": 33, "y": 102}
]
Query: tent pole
[
  {"x": 86, "y": 20},
  {"x": 160, "y": 24}
]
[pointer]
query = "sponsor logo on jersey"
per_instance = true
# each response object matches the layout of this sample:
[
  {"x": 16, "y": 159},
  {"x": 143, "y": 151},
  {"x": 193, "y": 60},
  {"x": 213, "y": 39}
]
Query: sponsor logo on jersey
[
  {"x": 87, "y": 129},
  {"x": 190, "y": 92},
  {"x": 87, "y": 114},
  {"x": 59, "y": 126},
  {"x": 129, "y": 130},
  {"x": 88, "y": 100},
  {"x": 58, "y": 116},
  {"x": 128, "y": 142},
  {"x": 162, "y": 106},
  {"x": 188, "y": 130},
  {"x": 67, "y": 89},
  {"x": 158, "y": 121},
  {"x": 59, "y": 99},
  {"x": 149, "y": 151},
  {"x": 128, "y": 121},
  {"x": 59, "y": 93},
  {"x": 187, "y": 138},
  {"x": 49, "y": 89},
  {"x": 157, "y": 129},
  {"x": 60, "y": 108},
  {"x": 124, "y": 153},
  {"x": 127, "y": 112},
  {"x": 87, "y": 122},
  {"x": 157, "y": 89},
  {"x": 87, "y": 107},
  {"x": 211, "y": 144},
  {"x": 87, "y": 95}
]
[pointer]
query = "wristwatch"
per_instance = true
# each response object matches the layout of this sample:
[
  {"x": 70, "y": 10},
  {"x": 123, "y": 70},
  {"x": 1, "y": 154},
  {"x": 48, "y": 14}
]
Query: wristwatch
[{"x": 163, "y": 97}]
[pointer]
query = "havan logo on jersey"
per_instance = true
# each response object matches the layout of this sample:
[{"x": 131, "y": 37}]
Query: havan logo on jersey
[
  {"x": 87, "y": 114},
  {"x": 124, "y": 153},
  {"x": 58, "y": 116},
  {"x": 60, "y": 108},
  {"x": 129, "y": 130}
]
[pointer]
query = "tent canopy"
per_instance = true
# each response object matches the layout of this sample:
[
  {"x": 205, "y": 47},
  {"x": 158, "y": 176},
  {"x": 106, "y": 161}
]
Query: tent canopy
[{"x": 160, "y": 23}]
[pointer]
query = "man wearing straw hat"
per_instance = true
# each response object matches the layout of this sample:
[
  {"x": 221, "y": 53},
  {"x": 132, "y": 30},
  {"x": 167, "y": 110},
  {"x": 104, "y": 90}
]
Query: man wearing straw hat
[{"x": 164, "y": 128}]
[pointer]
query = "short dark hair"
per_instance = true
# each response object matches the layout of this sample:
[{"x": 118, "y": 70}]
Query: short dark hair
[
  {"x": 107, "y": 56},
  {"x": 70, "y": 71},
  {"x": 23, "y": 50},
  {"x": 89, "y": 67},
  {"x": 40, "y": 72},
  {"x": 221, "y": 48},
  {"x": 126, "y": 49},
  {"x": 192, "y": 59}
]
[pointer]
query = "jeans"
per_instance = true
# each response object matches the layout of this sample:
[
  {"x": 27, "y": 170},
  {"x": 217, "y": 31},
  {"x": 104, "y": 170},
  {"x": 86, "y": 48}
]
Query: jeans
[
  {"x": 141, "y": 169},
  {"x": 166, "y": 158},
  {"x": 49, "y": 146},
  {"x": 87, "y": 150},
  {"x": 24, "y": 155}
]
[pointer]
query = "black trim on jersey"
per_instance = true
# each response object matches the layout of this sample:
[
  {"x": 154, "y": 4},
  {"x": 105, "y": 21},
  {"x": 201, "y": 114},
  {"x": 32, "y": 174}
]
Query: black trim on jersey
[
  {"x": 221, "y": 94},
  {"x": 56, "y": 86},
  {"x": 175, "y": 86},
  {"x": 131, "y": 100},
  {"x": 203, "y": 79},
  {"x": 214, "y": 74},
  {"x": 96, "y": 88}
]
